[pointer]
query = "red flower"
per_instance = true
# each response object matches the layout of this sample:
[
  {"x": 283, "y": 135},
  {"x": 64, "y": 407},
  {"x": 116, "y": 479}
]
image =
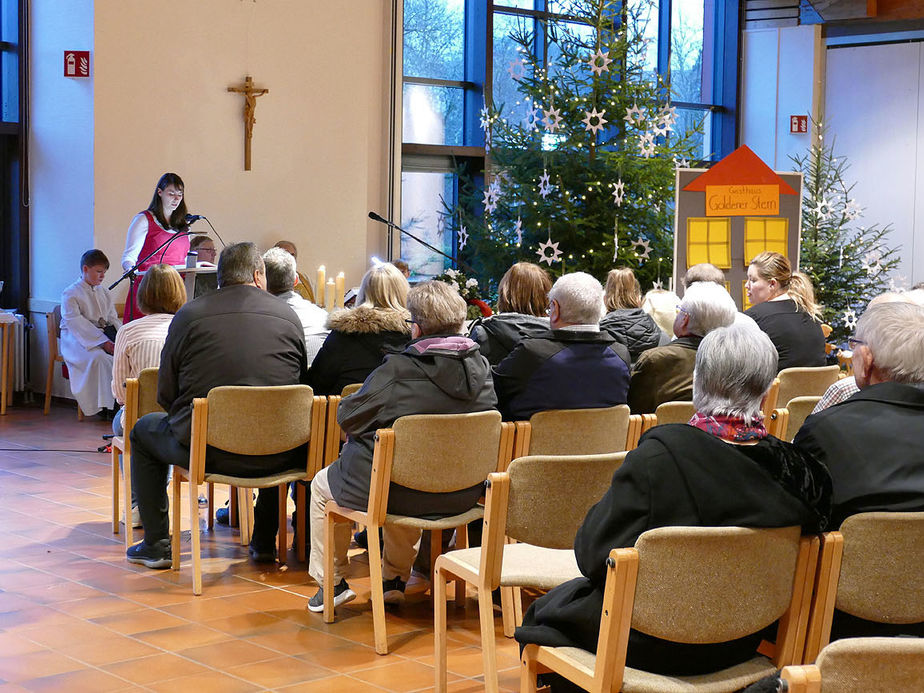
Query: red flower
[{"x": 482, "y": 306}]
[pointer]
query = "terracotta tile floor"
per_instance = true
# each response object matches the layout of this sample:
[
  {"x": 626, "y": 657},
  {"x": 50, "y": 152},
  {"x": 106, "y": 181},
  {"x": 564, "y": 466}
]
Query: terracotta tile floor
[{"x": 75, "y": 616}]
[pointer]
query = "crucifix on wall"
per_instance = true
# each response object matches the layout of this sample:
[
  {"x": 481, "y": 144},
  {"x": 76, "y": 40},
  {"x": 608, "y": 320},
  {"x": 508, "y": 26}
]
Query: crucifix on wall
[{"x": 250, "y": 106}]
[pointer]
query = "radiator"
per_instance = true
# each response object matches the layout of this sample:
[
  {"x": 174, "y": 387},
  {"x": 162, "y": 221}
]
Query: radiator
[{"x": 18, "y": 337}]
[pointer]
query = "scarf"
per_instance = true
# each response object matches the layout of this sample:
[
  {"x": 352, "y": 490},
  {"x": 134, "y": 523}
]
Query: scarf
[{"x": 731, "y": 428}]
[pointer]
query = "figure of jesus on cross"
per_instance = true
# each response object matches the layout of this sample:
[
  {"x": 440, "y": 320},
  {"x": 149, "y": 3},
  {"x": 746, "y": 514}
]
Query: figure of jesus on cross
[{"x": 250, "y": 106}]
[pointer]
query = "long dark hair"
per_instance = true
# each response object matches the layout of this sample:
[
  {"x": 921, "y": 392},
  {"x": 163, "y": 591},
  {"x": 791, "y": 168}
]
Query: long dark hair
[{"x": 178, "y": 218}]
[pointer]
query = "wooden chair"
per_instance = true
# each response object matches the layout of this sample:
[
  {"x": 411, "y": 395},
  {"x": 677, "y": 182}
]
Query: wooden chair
[
  {"x": 805, "y": 382},
  {"x": 53, "y": 328},
  {"x": 248, "y": 421},
  {"x": 674, "y": 412},
  {"x": 573, "y": 432},
  {"x": 540, "y": 502},
  {"x": 140, "y": 399},
  {"x": 870, "y": 569},
  {"x": 434, "y": 453},
  {"x": 7, "y": 327},
  {"x": 692, "y": 585},
  {"x": 334, "y": 435},
  {"x": 862, "y": 665},
  {"x": 785, "y": 423}
]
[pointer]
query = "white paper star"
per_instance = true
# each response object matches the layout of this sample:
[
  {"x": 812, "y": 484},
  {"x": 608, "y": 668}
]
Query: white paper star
[
  {"x": 634, "y": 115},
  {"x": 872, "y": 263},
  {"x": 533, "y": 118},
  {"x": 599, "y": 62},
  {"x": 852, "y": 210},
  {"x": 897, "y": 282},
  {"x": 463, "y": 237},
  {"x": 619, "y": 192},
  {"x": 518, "y": 230},
  {"x": 668, "y": 116},
  {"x": 484, "y": 118},
  {"x": 850, "y": 319},
  {"x": 549, "y": 259},
  {"x": 491, "y": 195},
  {"x": 642, "y": 248},
  {"x": 646, "y": 145},
  {"x": 516, "y": 68},
  {"x": 544, "y": 187},
  {"x": 590, "y": 115},
  {"x": 824, "y": 208},
  {"x": 657, "y": 285},
  {"x": 552, "y": 119},
  {"x": 682, "y": 163}
]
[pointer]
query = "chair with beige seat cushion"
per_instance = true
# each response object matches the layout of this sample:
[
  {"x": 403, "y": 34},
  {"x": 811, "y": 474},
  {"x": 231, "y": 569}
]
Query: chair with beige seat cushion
[
  {"x": 53, "y": 330},
  {"x": 140, "y": 399},
  {"x": 540, "y": 502},
  {"x": 433, "y": 453},
  {"x": 805, "y": 382},
  {"x": 573, "y": 432},
  {"x": 693, "y": 585},
  {"x": 862, "y": 665},
  {"x": 785, "y": 422},
  {"x": 249, "y": 421},
  {"x": 674, "y": 412},
  {"x": 871, "y": 569}
]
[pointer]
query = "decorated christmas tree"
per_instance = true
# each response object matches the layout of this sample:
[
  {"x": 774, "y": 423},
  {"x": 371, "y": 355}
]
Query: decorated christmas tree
[
  {"x": 848, "y": 263},
  {"x": 585, "y": 180}
]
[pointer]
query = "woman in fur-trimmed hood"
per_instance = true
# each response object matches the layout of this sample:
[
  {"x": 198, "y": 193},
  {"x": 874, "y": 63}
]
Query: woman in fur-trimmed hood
[{"x": 361, "y": 336}]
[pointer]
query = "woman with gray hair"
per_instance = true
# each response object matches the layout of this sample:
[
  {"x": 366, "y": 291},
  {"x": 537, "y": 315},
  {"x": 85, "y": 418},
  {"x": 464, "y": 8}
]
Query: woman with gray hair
[{"x": 721, "y": 469}]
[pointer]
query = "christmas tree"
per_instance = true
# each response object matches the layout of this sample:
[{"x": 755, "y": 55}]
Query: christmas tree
[
  {"x": 585, "y": 180},
  {"x": 849, "y": 264}
]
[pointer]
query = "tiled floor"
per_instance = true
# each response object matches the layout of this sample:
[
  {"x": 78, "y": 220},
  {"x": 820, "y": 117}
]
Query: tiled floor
[{"x": 75, "y": 616}]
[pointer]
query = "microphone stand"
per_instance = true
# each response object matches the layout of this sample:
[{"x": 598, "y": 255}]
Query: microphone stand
[{"x": 467, "y": 267}]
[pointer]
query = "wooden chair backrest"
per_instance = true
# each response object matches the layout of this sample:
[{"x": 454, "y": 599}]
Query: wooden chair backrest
[
  {"x": 147, "y": 392},
  {"x": 804, "y": 382},
  {"x": 550, "y": 495},
  {"x": 439, "y": 453},
  {"x": 578, "y": 431},
  {"x": 674, "y": 412},
  {"x": 799, "y": 410},
  {"x": 860, "y": 665},
  {"x": 350, "y": 389},
  {"x": 713, "y": 584},
  {"x": 881, "y": 576},
  {"x": 52, "y": 322}
]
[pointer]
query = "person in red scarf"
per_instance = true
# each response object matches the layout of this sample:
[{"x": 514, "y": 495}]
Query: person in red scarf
[{"x": 164, "y": 218}]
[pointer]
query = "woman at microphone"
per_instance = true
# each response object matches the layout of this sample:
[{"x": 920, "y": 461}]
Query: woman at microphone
[{"x": 164, "y": 218}]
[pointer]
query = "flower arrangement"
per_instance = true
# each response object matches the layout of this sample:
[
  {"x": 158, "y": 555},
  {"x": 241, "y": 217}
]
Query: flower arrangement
[{"x": 468, "y": 289}]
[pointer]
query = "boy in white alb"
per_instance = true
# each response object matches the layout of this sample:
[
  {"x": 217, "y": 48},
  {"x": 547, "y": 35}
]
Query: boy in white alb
[{"x": 88, "y": 325}]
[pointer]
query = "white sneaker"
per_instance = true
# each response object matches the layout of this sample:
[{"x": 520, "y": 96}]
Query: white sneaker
[{"x": 136, "y": 517}]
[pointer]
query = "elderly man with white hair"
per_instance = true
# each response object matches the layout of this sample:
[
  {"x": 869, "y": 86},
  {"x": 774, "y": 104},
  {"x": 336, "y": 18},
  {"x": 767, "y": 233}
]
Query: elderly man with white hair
[
  {"x": 665, "y": 374},
  {"x": 572, "y": 366},
  {"x": 281, "y": 281}
]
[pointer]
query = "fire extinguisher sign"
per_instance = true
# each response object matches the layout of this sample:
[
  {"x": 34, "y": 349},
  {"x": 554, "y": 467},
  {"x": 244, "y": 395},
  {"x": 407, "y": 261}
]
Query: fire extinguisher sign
[{"x": 76, "y": 63}]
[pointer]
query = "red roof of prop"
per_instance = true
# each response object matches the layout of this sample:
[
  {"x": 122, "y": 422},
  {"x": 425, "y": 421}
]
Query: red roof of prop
[{"x": 741, "y": 167}]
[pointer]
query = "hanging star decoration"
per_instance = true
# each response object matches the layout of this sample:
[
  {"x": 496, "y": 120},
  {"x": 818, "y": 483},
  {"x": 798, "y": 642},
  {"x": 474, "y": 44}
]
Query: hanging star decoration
[
  {"x": 634, "y": 115},
  {"x": 463, "y": 237},
  {"x": 667, "y": 116},
  {"x": 619, "y": 192},
  {"x": 489, "y": 201},
  {"x": 850, "y": 319},
  {"x": 657, "y": 285},
  {"x": 872, "y": 263},
  {"x": 897, "y": 283},
  {"x": 681, "y": 163},
  {"x": 555, "y": 255},
  {"x": 440, "y": 223},
  {"x": 642, "y": 248},
  {"x": 552, "y": 118},
  {"x": 518, "y": 230},
  {"x": 516, "y": 69},
  {"x": 646, "y": 145},
  {"x": 533, "y": 118},
  {"x": 823, "y": 208},
  {"x": 544, "y": 187},
  {"x": 599, "y": 62},
  {"x": 852, "y": 210},
  {"x": 484, "y": 118},
  {"x": 589, "y": 116}
]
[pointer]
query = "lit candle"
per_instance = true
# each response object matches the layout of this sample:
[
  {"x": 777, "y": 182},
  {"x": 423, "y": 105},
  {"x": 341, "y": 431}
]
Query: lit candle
[
  {"x": 322, "y": 279},
  {"x": 340, "y": 286},
  {"x": 329, "y": 297}
]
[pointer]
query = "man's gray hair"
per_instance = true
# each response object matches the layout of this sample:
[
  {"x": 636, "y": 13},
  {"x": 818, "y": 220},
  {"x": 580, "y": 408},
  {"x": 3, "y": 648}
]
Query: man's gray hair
[
  {"x": 579, "y": 297},
  {"x": 894, "y": 333},
  {"x": 703, "y": 272},
  {"x": 237, "y": 264},
  {"x": 436, "y": 308},
  {"x": 708, "y": 306},
  {"x": 735, "y": 366},
  {"x": 280, "y": 270}
]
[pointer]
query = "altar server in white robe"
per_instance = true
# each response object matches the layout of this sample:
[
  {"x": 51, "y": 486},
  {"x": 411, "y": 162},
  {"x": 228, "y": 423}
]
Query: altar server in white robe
[{"x": 88, "y": 324}]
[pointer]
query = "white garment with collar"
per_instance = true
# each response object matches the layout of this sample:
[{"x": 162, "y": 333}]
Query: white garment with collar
[{"x": 313, "y": 319}]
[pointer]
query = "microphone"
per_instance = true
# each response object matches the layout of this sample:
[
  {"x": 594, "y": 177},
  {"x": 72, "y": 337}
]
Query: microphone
[
  {"x": 376, "y": 217},
  {"x": 193, "y": 218}
]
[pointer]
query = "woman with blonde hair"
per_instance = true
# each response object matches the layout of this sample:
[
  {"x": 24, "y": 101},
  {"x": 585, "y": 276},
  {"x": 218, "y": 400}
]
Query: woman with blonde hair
[
  {"x": 361, "y": 336},
  {"x": 625, "y": 320},
  {"x": 783, "y": 306},
  {"x": 522, "y": 305}
]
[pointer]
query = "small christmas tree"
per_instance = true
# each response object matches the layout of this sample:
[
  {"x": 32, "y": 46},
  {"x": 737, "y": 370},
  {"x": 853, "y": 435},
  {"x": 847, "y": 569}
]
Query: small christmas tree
[
  {"x": 848, "y": 264},
  {"x": 585, "y": 180}
]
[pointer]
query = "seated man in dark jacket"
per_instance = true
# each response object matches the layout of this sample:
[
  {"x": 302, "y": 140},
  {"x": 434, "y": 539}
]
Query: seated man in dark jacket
[
  {"x": 873, "y": 442},
  {"x": 573, "y": 366},
  {"x": 665, "y": 373},
  {"x": 439, "y": 372}
]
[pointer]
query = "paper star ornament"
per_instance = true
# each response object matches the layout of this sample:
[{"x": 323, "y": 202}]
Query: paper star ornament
[
  {"x": 897, "y": 283},
  {"x": 533, "y": 118},
  {"x": 599, "y": 62},
  {"x": 619, "y": 192},
  {"x": 872, "y": 263},
  {"x": 544, "y": 187},
  {"x": 634, "y": 115},
  {"x": 591, "y": 115},
  {"x": 552, "y": 118},
  {"x": 555, "y": 255},
  {"x": 646, "y": 145},
  {"x": 642, "y": 248},
  {"x": 657, "y": 285},
  {"x": 518, "y": 230},
  {"x": 681, "y": 163},
  {"x": 484, "y": 118},
  {"x": 852, "y": 210},
  {"x": 823, "y": 208},
  {"x": 463, "y": 238},
  {"x": 850, "y": 319},
  {"x": 516, "y": 68}
]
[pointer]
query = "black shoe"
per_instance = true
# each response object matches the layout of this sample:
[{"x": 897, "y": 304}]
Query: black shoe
[
  {"x": 157, "y": 555},
  {"x": 259, "y": 555},
  {"x": 223, "y": 516},
  {"x": 394, "y": 590},
  {"x": 342, "y": 595},
  {"x": 362, "y": 540}
]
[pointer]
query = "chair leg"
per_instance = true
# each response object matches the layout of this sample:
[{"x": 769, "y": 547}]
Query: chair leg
[
  {"x": 233, "y": 509},
  {"x": 328, "y": 586},
  {"x": 210, "y": 516},
  {"x": 176, "y": 529},
  {"x": 528, "y": 669},
  {"x": 49, "y": 381},
  {"x": 282, "y": 535},
  {"x": 507, "y": 611},
  {"x": 116, "y": 480},
  {"x": 439, "y": 629},
  {"x": 127, "y": 492},
  {"x": 79, "y": 413},
  {"x": 301, "y": 516},
  {"x": 244, "y": 511},
  {"x": 194, "y": 535},
  {"x": 378, "y": 594},
  {"x": 460, "y": 587},
  {"x": 488, "y": 647}
]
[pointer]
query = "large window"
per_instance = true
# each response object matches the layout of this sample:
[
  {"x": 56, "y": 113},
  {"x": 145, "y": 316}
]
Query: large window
[{"x": 14, "y": 242}]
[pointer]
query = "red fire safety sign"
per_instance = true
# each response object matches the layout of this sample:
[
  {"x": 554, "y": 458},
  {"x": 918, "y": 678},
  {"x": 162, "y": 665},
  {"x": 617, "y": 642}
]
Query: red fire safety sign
[{"x": 76, "y": 63}]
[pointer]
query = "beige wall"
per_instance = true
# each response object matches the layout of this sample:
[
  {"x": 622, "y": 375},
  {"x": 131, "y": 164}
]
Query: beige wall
[{"x": 319, "y": 150}]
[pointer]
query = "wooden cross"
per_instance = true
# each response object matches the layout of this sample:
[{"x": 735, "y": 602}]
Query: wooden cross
[{"x": 250, "y": 105}]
